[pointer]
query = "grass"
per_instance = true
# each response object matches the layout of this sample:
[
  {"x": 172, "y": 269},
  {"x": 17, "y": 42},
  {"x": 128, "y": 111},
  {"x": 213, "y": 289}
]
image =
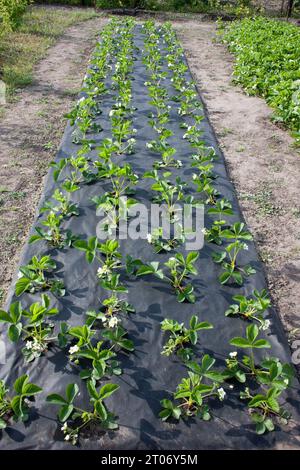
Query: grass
[
  {"x": 22, "y": 49},
  {"x": 263, "y": 198},
  {"x": 296, "y": 213}
]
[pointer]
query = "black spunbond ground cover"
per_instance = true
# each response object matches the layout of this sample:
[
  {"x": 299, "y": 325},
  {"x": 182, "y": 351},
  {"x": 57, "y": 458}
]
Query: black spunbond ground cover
[{"x": 147, "y": 376}]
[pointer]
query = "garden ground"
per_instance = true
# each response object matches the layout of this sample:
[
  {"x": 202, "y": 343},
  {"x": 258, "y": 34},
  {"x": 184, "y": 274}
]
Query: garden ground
[{"x": 261, "y": 161}]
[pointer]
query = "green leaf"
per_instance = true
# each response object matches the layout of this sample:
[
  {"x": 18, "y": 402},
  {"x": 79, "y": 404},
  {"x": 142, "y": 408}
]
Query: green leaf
[
  {"x": 241, "y": 376},
  {"x": 144, "y": 270},
  {"x": 3, "y": 424},
  {"x": 224, "y": 277},
  {"x": 5, "y": 317},
  {"x": 81, "y": 245},
  {"x": 92, "y": 390},
  {"x": 14, "y": 332},
  {"x": 31, "y": 389},
  {"x": 240, "y": 342},
  {"x": 192, "y": 257},
  {"x": 269, "y": 424},
  {"x": 159, "y": 273},
  {"x": 193, "y": 337},
  {"x": 252, "y": 332},
  {"x": 165, "y": 414},
  {"x": 19, "y": 384},
  {"x": 56, "y": 399},
  {"x": 22, "y": 285},
  {"x": 275, "y": 370},
  {"x": 101, "y": 410},
  {"x": 207, "y": 362},
  {"x": 194, "y": 367},
  {"x": 88, "y": 354},
  {"x": 71, "y": 391},
  {"x": 256, "y": 401},
  {"x": 193, "y": 321},
  {"x": 16, "y": 404},
  {"x": 85, "y": 374},
  {"x": 65, "y": 412},
  {"x": 260, "y": 428},
  {"x": 167, "y": 404},
  {"x": 34, "y": 238},
  {"x": 261, "y": 343},
  {"x": 16, "y": 311},
  {"x": 107, "y": 390},
  {"x": 204, "y": 326},
  {"x": 206, "y": 416},
  {"x": 176, "y": 412},
  {"x": 181, "y": 297},
  {"x": 90, "y": 256},
  {"x": 219, "y": 257},
  {"x": 238, "y": 278}
]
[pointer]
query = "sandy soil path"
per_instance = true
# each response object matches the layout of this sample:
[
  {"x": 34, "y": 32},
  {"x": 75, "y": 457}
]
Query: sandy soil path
[{"x": 30, "y": 133}]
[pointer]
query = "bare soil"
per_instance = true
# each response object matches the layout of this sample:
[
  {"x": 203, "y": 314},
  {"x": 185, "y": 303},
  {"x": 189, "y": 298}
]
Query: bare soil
[
  {"x": 30, "y": 131},
  {"x": 262, "y": 164}
]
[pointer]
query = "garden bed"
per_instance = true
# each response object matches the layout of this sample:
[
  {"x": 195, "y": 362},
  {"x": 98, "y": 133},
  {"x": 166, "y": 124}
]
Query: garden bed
[{"x": 148, "y": 377}]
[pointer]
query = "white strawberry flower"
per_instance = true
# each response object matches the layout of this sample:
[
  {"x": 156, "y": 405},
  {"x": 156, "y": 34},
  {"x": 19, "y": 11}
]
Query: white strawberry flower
[
  {"x": 266, "y": 325},
  {"x": 73, "y": 349},
  {"x": 221, "y": 393}
]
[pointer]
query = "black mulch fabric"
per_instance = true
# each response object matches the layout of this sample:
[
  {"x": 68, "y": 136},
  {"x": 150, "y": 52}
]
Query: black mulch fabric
[{"x": 147, "y": 375}]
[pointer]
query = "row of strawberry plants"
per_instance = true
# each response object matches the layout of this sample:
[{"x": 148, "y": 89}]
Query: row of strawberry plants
[
  {"x": 102, "y": 362},
  {"x": 87, "y": 345},
  {"x": 203, "y": 382}
]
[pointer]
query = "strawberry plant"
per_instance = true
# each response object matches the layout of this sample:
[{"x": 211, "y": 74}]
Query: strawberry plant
[
  {"x": 112, "y": 307},
  {"x": 179, "y": 269},
  {"x": 16, "y": 407},
  {"x": 114, "y": 209},
  {"x": 162, "y": 147},
  {"x": 34, "y": 277},
  {"x": 251, "y": 308},
  {"x": 236, "y": 232},
  {"x": 55, "y": 236},
  {"x": 94, "y": 250},
  {"x": 32, "y": 325},
  {"x": 168, "y": 193},
  {"x": 192, "y": 394},
  {"x": 79, "y": 418},
  {"x": 250, "y": 342},
  {"x": 101, "y": 360},
  {"x": 221, "y": 208},
  {"x": 78, "y": 169},
  {"x": 228, "y": 260},
  {"x": 193, "y": 134},
  {"x": 162, "y": 244},
  {"x": 180, "y": 336},
  {"x": 64, "y": 207},
  {"x": 122, "y": 178},
  {"x": 257, "y": 43},
  {"x": 264, "y": 409},
  {"x": 121, "y": 130}
]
